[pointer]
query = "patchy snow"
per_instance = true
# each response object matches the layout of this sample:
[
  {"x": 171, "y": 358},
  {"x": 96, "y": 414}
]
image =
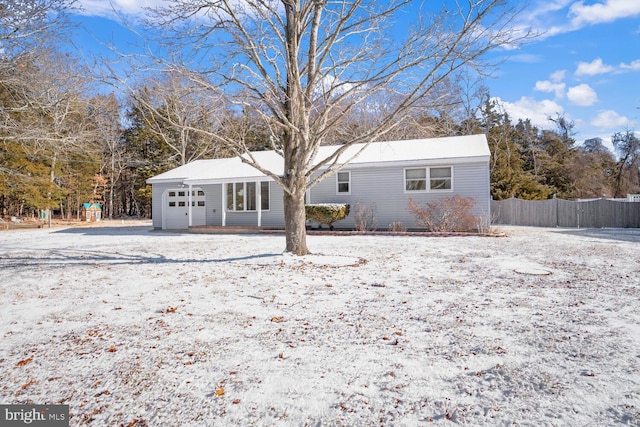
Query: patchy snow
[{"x": 131, "y": 327}]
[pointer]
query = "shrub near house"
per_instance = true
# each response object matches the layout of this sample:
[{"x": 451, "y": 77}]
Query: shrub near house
[
  {"x": 327, "y": 213},
  {"x": 446, "y": 215}
]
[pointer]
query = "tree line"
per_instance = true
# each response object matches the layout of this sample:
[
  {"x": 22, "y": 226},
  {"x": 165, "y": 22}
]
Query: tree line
[{"x": 65, "y": 140}]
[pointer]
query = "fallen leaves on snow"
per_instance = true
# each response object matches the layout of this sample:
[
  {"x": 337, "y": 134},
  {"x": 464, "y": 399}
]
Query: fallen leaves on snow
[{"x": 24, "y": 361}]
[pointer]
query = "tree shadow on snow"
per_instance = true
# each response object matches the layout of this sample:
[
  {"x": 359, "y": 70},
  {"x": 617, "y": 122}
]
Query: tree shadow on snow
[
  {"x": 71, "y": 257},
  {"x": 111, "y": 231},
  {"x": 620, "y": 234}
]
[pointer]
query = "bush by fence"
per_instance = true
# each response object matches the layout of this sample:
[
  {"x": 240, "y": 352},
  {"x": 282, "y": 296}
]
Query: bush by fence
[
  {"x": 566, "y": 213},
  {"x": 448, "y": 214}
]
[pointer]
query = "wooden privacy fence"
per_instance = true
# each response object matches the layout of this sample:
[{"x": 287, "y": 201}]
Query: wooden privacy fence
[{"x": 566, "y": 213}]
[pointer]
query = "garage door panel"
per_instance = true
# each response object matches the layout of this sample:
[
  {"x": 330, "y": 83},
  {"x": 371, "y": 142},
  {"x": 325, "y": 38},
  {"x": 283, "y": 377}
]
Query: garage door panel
[{"x": 176, "y": 210}]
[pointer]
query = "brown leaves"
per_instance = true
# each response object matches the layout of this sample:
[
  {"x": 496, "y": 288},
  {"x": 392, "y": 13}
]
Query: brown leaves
[
  {"x": 105, "y": 392},
  {"x": 94, "y": 333},
  {"x": 390, "y": 340},
  {"x": 359, "y": 263},
  {"x": 137, "y": 422},
  {"x": 277, "y": 319},
  {"x": 219, "y": 391},
  {"x": 24, "y": 361},
  {"x": 31, "y": 382},
  {"x": 112, "y": 349}
]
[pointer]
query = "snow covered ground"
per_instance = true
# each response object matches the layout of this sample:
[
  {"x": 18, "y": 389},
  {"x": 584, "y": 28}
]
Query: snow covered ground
[{"x": 138, "y": 328}]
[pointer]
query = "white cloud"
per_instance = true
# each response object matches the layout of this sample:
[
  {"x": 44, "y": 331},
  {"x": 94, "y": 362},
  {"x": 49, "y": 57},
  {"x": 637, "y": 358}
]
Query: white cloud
[
  {"x": 554, "y": 84},
  {"x": 558, "y": 76},
  {"x": 126, "y": 7},
  {"x": 527, "y": 108},
  {"x": 546, "y": 17},
  {"x": 526, "y": 58},
  {"x": 548, "y": 86},
  {"x": 610, "y": 119},
  {"x": 593, "y": 68},
  {"x": 582, "y": 95},
  {"x": 597, "y": 66},
  {"x": 633, "y": 66},
  {"x": 607, "y": 11}
]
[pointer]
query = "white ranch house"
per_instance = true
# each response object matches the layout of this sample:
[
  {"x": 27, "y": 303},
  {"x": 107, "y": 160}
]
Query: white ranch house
[{"x": 229, "y": 192}]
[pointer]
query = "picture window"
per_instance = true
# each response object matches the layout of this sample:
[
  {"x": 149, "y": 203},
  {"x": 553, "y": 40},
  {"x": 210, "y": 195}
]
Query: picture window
[{"x": 243, "y": 196}]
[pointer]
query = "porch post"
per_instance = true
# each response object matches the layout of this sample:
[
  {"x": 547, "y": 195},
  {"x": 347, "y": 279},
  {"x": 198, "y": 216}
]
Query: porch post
[
  {"x": 259, "y": 202},
  {"x": 224, "y": 204}
]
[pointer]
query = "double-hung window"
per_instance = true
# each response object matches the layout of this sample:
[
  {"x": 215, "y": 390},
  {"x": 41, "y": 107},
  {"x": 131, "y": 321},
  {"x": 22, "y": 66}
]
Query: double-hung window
[
  {"x": 440, "y": 178},
  {"x": 428, "y": 179},
  {"x": 343, "y": 183},
  {"x": 415, "y": 179},
  {"x": 243, "y": 196}
]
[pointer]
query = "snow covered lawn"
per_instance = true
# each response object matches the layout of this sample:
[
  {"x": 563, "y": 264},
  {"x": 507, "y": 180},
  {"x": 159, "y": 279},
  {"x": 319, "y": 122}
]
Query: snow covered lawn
[{"x": 138, "y": 328}]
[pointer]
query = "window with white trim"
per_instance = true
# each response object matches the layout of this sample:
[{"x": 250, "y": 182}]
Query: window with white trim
[
  {"x": 428, "y": 179},
  {"x": 243, "y": 196},
  {"x": 440, "y": 178},
  {"x": 343, "y": 183},
  {"x": 415, "y": 179}
]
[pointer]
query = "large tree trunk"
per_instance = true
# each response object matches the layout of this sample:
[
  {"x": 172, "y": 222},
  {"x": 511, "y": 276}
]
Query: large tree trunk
[{"x": 295, "y": 222}]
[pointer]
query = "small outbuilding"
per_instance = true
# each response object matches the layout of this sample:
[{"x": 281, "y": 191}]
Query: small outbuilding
[
  {"x": 92, "y": 212},
  {"x": 229, "y": 192}
]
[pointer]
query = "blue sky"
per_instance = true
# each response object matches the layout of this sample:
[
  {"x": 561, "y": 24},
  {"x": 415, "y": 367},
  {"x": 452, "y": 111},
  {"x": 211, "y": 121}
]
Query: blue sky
[{"x": 585, "y": 64}]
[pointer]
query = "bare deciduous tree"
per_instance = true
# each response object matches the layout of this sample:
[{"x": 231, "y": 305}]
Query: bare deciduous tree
[
  {"x": 110, "y": 136},
  {"x": 29, "y": 31},
  {"x": 627, "y": 144},
  {"x": 51, "y": 121},
  {"x": 176, "y": 112},
  {"x": 29, "y": 28},
  {"x": 305, "y": 66}
]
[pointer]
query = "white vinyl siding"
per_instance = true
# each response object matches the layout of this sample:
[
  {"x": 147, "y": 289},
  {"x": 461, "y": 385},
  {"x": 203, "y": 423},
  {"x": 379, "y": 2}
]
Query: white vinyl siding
[{"x": 384, "y": 187}]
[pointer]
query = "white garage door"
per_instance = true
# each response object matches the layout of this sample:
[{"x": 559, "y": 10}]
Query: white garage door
[{"x": 176, "y": 208}]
